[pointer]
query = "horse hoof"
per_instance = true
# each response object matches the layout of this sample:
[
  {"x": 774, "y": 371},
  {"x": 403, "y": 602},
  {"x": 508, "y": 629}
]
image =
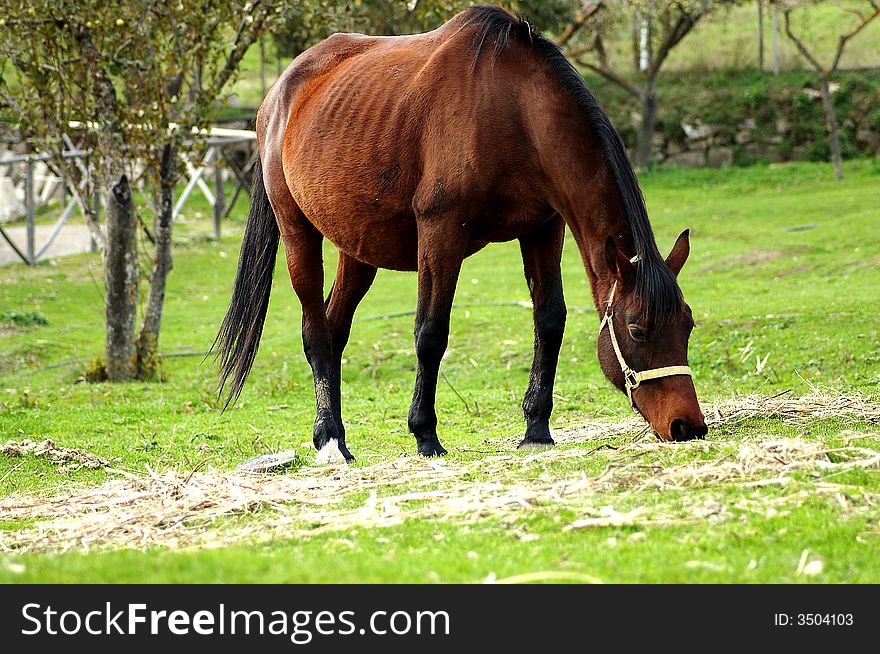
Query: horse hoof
[
  {"x": 334, "y": 451},
  {"x": 348, "y": 456},
  {"x": 431, "y": 448},
  {"x": 533, "y": 444}
]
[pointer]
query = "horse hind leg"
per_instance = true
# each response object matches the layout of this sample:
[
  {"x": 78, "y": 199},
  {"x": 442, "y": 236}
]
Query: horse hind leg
[
  {"x": 353, "y": 280},
  {"x": 542, "y": 253},
  {"x": 302, "y": 245}
]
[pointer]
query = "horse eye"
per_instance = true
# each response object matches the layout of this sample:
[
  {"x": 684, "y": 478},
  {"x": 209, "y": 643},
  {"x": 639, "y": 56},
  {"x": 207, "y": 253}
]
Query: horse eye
[{"x": 637, "y": 334}]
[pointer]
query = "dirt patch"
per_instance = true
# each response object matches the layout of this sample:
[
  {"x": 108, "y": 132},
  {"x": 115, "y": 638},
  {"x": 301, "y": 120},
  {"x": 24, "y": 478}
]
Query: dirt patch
[
  {"x": 73, "y": 239},
  {"x": 173, "y": 509},
  {"x": 749, "y": 259},
  {"x": 756, "y": 259}
]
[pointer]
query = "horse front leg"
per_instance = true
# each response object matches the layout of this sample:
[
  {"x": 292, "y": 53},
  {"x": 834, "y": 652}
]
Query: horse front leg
[
  {"x": 440, "y": 254},
  {"x": 542, "y": 254}
]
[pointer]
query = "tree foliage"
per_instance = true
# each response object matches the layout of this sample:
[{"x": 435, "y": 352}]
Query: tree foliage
[
  {"x": 142, "y": 73},
  {"x": 308, "y": 23},
  {"x": 133, "y": 79}
]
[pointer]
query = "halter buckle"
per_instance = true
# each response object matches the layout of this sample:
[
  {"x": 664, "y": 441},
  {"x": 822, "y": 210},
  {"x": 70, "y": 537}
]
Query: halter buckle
[{"x": 631, "y": 378}]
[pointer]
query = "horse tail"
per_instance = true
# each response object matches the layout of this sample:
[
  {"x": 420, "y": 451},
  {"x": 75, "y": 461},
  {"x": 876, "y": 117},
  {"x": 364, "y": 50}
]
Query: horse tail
[{"x": 239, "y": 336}]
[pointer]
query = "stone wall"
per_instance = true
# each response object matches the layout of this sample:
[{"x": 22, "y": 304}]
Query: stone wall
[
  {"x": 716, "y": 146},
  {"x": 744, "y": 117}
]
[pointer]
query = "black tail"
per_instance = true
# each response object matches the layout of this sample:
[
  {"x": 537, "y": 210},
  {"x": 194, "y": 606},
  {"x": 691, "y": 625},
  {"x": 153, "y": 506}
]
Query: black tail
[{"x": 239, "y": 336}]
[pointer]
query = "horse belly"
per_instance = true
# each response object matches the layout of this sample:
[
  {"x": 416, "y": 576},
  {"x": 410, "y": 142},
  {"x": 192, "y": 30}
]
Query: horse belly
[
  {"x": 355, "y": 188},
  {"x": 368, "y": 232}
]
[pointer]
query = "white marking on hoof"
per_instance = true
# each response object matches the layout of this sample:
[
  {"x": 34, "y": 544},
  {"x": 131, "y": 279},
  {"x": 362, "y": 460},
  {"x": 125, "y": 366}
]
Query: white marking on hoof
[
  {"x": 330, "y": 453},
  {"x": 530, "y": 445}
]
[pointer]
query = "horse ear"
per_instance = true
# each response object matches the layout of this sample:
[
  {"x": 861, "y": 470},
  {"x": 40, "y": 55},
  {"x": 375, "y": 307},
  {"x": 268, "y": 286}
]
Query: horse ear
[
  {"x": 679, "y": 253},
  {"x": 619, "y": 266}
]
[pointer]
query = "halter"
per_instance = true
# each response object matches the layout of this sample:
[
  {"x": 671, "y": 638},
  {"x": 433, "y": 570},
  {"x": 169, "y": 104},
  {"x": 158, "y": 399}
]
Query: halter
[{"x": 631, "y": 378}]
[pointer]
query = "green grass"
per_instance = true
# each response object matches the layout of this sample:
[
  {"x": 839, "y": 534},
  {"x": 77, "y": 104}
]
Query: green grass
[
  {"x": 806, "y": 300},
  {"x": 415, "y": 554}
]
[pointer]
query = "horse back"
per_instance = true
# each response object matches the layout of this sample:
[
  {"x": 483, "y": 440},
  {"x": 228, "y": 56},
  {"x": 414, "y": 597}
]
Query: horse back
[{"x": 374, "y": 131}]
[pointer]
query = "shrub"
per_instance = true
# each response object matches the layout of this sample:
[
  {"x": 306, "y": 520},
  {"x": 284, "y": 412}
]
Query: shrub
[
  {"x": 23, "y": 318},
  {"x": 96, "y": 370},
  {"x": 727, "y": 98}
]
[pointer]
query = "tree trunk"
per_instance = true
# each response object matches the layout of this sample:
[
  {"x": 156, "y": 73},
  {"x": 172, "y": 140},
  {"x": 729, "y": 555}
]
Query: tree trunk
[
  {"x": 775, "y": 52},
  {"x": 645, "y": 134},
  {"x": 121, "y": 281},
  {"x": 262, "y": 67},
  {"x": 636, "y": 38},
  {"x": 831, "y": 125},
  {"x": 761, "y": 35},
  {"x": 148, "y": 340}
]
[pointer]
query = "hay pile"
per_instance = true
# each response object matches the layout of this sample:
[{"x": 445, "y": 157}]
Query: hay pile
[
  {"x": 63, "y": 456},
  {"x": 203, "y": 508},
  {"x": 726, "y": 415}
]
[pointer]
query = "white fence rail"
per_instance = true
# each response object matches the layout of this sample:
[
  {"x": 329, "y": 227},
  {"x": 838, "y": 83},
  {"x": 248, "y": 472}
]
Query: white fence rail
[{"x": 22, "y": 200}]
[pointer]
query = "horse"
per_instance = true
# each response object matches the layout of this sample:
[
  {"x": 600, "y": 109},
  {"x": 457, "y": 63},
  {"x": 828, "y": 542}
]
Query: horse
[{"x": 415, "y": 152}]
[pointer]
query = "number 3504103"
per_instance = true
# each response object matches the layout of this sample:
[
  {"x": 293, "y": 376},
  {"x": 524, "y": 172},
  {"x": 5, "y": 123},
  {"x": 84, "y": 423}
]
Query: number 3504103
[{"x": 824, "y": 619}]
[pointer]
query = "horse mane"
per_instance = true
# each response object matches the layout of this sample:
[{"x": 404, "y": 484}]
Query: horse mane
[{"x": 656, "y": 286}]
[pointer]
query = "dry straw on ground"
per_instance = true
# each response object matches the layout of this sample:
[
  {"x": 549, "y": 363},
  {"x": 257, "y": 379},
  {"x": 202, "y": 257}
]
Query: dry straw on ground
[
  {"x": 170, "y": 508},
  {"x": 57, "y": 455}
]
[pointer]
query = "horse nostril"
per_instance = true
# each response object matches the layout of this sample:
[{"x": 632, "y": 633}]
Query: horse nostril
[
  {"x": 682, "y": 430},
  {"x": 677, "y": 430}
]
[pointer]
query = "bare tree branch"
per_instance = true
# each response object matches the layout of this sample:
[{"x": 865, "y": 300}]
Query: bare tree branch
[
  {"x": 825, "y": 74},
  {"x": 105, "y": 92},
  {"x": 684, "y": 24},
  {"x": 244, "y": 37},
  {"x": 588, "y": 10},
  {"x": 612, "y": 76},
  {"x": 841, "y": 43},
  {"x": 800, "y": 46},
  {"x": 603, "y": 67}
]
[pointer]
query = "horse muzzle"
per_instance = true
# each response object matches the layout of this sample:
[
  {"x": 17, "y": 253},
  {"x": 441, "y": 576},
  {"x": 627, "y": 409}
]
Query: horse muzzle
[{"x": 681, "y": 429}]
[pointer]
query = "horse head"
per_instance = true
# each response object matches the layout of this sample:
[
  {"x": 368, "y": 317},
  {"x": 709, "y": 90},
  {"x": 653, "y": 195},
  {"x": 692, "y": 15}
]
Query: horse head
[{"x": 645, "y": 354}]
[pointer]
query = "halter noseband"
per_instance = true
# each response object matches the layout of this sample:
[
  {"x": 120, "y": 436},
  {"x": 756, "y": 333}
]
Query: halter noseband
[{"x": 632, "y": 379}]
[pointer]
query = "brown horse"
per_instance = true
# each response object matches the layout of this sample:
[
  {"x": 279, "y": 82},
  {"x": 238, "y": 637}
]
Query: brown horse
[{"x": 414, "y": 152}]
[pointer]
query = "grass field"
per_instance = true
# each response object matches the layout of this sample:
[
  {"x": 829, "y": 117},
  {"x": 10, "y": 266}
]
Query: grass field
[{"x": 763, "y": 499}]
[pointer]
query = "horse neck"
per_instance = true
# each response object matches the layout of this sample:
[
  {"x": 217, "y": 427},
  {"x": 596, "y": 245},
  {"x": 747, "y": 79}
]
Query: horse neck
[{"x": 582, "y": 188}]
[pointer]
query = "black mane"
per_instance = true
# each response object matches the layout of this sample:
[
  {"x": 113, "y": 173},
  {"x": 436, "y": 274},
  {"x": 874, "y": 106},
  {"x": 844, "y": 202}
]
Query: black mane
[{"x": 656, "y": 286}]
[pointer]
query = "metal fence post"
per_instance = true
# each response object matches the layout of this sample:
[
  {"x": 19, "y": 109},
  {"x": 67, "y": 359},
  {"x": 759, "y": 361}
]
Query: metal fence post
[
  {"x": 29, "y": 207},
  {"x": 218, "y": 189}
]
